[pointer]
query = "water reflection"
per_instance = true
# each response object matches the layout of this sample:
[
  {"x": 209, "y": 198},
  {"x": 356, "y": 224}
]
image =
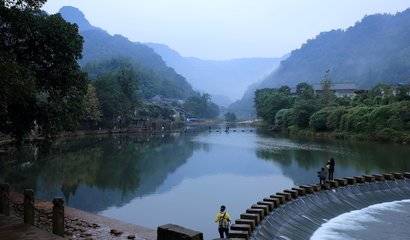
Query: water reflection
[
  {"x": 96, "y": 173},
  {"x": 182, "y": 179},
  {"x": 301, "y": 159}
]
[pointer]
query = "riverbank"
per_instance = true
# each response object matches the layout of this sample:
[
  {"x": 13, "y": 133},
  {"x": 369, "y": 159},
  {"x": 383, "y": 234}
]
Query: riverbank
[
  {"x": 386, "y": 136},
  {"x": 383, "y": 136},
  {"x": 82, "y": 225},
  {"x": 6, "y": 140}
]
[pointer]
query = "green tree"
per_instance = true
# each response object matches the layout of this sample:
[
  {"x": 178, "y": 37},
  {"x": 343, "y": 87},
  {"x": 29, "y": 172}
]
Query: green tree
[
  {"x": 327, "y": 96},
  {"x": 201, "y": 106},
  {"x": 22, "y": 4},
  {"x": 17, "y": 98},
  {"x": 305, "y": 91},
  {"x": 92, "y": 111},
  {"x": 117, "y": 93},
  {"x": 269, "y": 101},
  {"x": 42, "y": 53},
  {"x": 230, "y": 117},
  {"x": 403, "y": 93}
]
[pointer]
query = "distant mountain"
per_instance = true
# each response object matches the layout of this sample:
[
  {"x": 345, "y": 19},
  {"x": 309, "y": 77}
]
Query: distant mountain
[
  {"x": 244, "y": 108},
  {"x": 228, "y": 78},
  {"x": 101, "y": 46},
  {"x": 375, "y": 50},
  {"x": 73, "y": 15}
]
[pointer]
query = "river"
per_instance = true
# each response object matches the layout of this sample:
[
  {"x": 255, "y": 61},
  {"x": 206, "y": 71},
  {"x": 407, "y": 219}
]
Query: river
[{"x": 183, "y": 178}]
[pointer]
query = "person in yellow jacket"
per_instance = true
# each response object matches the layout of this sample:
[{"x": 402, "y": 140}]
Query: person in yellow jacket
[{"x": 223, "y": 219}]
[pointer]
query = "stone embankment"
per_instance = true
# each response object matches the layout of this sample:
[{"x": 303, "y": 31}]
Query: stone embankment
[
  {"x": 25, "y": 215},
  {"x": 288, "y": 212}
]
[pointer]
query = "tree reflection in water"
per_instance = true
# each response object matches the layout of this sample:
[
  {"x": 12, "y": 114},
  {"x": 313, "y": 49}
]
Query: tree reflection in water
[{"x": 94, "y": 173}]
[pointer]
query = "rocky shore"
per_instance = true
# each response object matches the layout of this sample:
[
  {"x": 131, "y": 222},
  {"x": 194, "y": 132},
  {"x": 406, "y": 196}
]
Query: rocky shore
[{"x": 80, "y": 225}]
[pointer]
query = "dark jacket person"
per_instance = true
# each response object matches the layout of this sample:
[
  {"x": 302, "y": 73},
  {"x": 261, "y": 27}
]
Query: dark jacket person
[{"x": 332, "y": 164}]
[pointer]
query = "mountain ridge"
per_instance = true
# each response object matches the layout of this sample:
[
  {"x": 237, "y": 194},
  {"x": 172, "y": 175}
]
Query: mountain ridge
[
  {"x": 374, "y": 50},
  {"x": 100, "y": 46},
  {"x": 213, "y": 76}
]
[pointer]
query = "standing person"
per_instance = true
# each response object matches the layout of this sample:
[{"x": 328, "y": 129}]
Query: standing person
[
  {"x": 322, "y": 176},
  {"x": 223, "y": 219},
  {"x": 327, "y": 169},
  {"x": 332, "y": 164}
]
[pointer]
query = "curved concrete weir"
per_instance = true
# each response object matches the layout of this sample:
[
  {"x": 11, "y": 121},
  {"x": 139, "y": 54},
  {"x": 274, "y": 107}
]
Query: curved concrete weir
[{"x": 306, "y": 208}]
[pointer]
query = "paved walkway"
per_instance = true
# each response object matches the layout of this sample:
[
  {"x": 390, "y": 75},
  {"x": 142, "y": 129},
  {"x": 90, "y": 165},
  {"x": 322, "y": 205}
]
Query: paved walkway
[{"x": 12, "y": 228}]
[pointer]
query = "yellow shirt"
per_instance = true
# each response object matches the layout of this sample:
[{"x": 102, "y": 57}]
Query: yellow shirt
[{"x": 223, "y": 219}]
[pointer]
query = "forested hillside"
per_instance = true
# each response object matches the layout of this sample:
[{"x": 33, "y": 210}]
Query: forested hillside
[
  {"x": 375, "y": 50},
  {"x": 99, "y": 46}
]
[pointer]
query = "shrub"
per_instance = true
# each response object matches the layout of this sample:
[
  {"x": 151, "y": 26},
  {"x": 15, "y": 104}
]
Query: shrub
[
  {"x": 284, "y": 118},
  {"x": 303, "y": 110},
  {"x": 319, "y": 119},
  {"x": 379, "y": 116},
  {"x": 334, "y": 117},
  {"x": 356, "y": 119},
  {"x": 388, "y": 134}
]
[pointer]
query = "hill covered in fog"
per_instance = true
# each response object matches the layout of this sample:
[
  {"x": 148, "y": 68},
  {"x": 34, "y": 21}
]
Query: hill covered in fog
[
  {"x": 374, "y": 50},
  {"x": 101, "y": 46},
  {"x": 225, "y": 80}
]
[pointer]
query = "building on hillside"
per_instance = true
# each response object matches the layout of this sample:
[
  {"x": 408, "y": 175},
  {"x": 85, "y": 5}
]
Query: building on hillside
[
  {"x": 340, "y": 89},
  {"x": 397, "y": 88}
]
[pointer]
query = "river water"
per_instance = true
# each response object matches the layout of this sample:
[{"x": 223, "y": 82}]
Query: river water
[{"x": 183, "y": 178}]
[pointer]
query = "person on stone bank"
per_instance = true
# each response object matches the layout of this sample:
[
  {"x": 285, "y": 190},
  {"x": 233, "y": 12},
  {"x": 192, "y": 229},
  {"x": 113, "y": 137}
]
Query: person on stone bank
[
  {"x": 331, "y": 168},
  {"x": 322, "y": 176},
  {"x": 223, "y": 219}
]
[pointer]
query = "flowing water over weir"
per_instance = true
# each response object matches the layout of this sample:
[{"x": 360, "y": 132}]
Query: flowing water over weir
[{"x": 306, "y": 209}]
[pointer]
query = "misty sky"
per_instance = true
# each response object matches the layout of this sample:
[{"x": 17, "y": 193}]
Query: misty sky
[{"x": 222, "y": 29}]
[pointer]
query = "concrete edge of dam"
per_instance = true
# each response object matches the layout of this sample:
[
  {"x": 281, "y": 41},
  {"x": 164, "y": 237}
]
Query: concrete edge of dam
[{"x": 297, "y": 212}]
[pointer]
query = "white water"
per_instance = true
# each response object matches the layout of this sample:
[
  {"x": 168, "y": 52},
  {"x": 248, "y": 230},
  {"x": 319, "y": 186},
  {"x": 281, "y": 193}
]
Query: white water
[{"x": 380, "y": 221}]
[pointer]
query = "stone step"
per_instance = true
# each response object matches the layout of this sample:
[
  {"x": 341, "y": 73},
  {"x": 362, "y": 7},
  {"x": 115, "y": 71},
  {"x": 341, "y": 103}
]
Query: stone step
[
  {"x": 359, "y": 179},
  {"x": 282, "y": 199},
  {"x": 238, "y": 234},
  {"x": 378, "y": 177},
  {"x": 316, "y": 188},
  {"x": 350, "y": 180},
  {"x": 369, "y": 178},
  {"x": 293, "y": 193},
  {"x": 398, "y": 175},
  {"x": 251, "y": 216},
  {"x": 260, "y": 212},
  {"x": 325, "y": 186},
  {"x": 276, "y": 201},
  {"x": 333, "y": 184},
  {"x": 342, "y": 182},
  {"x": 249, "y": 222},
  {"x": 388, "y": 176},
  {"x": 287, "y": 196},
  {"x": 270, "y": 205},
  {"x": 263, "y": 207},
  {"x": 308, "y": 189},
  {"x": 301, "y": 191},
  {"x": 241, "y": 227}
]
